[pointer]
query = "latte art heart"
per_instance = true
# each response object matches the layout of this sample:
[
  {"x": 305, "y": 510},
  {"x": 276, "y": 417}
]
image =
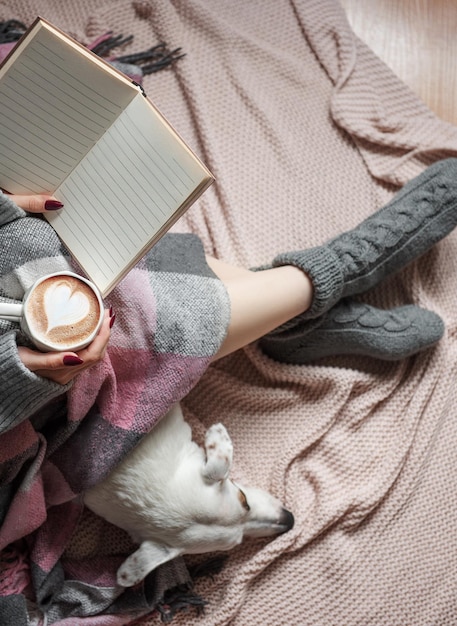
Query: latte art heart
[
  {"x": 63, "y": 306},
  {"x": 62, "y": 312}
]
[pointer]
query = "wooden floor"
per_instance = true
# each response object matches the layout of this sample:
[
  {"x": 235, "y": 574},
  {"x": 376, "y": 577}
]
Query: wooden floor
[{"x": 418, "y": 40}]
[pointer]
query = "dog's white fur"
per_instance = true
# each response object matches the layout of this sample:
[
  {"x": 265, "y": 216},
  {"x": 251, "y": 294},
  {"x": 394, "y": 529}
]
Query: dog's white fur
[{"x": 175, "y": 498}]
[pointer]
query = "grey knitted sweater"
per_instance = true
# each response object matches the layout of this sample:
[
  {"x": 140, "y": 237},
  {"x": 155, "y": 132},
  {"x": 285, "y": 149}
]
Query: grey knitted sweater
[{"x": 29, "y": 249}]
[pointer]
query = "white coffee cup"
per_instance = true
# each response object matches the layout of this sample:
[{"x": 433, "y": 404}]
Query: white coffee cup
[{"x": 59, "y": 312}]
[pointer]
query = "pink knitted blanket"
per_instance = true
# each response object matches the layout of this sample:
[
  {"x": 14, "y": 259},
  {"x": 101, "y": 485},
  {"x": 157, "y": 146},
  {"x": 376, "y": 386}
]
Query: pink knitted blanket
[{"x": 307, "y": 133}]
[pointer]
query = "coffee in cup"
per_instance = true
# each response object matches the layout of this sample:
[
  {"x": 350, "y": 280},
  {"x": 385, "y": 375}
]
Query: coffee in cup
[{"x": 60, "y": 312}]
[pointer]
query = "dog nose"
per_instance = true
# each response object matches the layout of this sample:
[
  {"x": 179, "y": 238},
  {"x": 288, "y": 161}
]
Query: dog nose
[{"x": 286, "y": 521}]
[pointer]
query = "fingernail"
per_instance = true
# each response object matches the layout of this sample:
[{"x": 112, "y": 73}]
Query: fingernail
[
  {"x": 69, "y": 359},
  {"x": 111, "y": 311},
  {"x": 112, "y": 320},
  {"x": 52, "y": 205}
]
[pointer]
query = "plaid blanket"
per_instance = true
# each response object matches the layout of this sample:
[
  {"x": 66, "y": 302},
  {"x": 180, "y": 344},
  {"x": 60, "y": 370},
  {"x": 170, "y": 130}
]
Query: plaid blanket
[{"x": 171, "y": 316}]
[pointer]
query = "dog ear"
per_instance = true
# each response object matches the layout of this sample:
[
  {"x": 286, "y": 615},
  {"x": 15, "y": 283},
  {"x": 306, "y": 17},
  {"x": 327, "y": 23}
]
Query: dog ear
[
  {"x": 219, "y": 454},
  {"x": 138, "y": 565}
]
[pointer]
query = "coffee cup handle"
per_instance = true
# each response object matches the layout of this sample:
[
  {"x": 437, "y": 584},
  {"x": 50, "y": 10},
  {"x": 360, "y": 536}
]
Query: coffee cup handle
[{"x": 11, "y": 312}]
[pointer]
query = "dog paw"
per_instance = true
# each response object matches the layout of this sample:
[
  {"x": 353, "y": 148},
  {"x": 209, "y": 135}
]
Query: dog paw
[
  {"x": 138, "y": 565},
  {"x": 128, "y": 578},
  {"x": 219, "y": 453}
]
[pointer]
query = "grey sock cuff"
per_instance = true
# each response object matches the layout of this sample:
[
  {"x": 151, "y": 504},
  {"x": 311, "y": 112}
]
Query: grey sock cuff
[{"x": 323, "y": 267}]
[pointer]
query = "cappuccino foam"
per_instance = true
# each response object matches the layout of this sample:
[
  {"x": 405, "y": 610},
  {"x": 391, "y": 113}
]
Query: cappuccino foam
[{"x": 62, "y": 311}]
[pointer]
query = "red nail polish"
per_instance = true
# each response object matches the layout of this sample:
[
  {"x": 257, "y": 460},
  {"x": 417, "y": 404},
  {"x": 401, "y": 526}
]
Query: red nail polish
[
  {"x": 111, "y": 311},
  {"x": 112, "y": 320},
  {"x": 52, "y": 205},
  {"x": 69, "y": 359}
]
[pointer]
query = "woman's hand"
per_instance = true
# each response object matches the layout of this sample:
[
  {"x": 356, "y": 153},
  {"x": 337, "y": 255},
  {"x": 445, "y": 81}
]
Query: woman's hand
[
  {"x": 38, "y": 203},
  {"x": 63, "y": 367},
  {"x": 60, "y": 367}
]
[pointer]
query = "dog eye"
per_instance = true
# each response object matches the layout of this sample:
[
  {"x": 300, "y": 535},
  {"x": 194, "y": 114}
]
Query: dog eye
[{"x": 244, "y": 501}]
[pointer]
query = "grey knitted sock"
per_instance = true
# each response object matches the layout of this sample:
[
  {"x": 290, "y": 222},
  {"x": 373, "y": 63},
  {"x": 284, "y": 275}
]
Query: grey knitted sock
[
  {"x": 421, "y": 214},
  {"x": 352, "y": 327}
]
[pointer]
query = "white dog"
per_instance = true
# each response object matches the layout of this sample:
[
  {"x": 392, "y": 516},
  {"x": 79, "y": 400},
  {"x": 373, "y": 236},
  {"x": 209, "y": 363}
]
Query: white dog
[{"x": 174, "y": 498}]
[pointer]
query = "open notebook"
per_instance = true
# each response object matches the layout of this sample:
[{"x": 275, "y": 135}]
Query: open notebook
[{"x": 74, "y": 126}]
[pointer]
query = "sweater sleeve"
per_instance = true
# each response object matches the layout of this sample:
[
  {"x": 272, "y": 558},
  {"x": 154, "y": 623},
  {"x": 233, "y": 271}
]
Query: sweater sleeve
[
  {"x": 22, "y": 392},
  {"x": 9, "y": 211},
  {"x": 25, "y": 244}
]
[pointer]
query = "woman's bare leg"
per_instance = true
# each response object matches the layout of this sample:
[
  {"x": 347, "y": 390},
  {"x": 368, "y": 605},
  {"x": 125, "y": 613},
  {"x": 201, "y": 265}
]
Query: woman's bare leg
[{"x": 260, "y": 301}]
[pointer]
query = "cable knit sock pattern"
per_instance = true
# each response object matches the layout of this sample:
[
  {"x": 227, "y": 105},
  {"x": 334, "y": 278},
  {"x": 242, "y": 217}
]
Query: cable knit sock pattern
[
  {"x": 419, "y": 216},
  {"x": 352, "y": 327}
]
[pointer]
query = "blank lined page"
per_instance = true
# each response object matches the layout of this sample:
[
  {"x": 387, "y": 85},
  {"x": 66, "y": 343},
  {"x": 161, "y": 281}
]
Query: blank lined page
[
  {"x": 126, "y": 191},
  {"x": 55, "y": 103}
]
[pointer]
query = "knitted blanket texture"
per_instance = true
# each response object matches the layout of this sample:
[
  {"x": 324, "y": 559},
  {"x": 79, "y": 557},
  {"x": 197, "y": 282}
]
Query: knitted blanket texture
[{"x": 307, "y": 132}]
